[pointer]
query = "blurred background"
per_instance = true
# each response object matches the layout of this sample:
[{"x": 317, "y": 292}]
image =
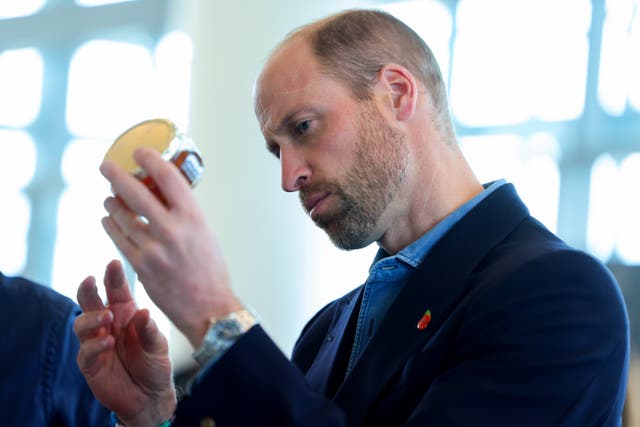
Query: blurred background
[{"x": 544, "y": 93}]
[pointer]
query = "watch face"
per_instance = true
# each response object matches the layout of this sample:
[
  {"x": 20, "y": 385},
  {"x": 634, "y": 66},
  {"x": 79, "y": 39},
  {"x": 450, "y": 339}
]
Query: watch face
[
  {"x": 229, "y": 328},
  {"x": 223, "y": 333}
]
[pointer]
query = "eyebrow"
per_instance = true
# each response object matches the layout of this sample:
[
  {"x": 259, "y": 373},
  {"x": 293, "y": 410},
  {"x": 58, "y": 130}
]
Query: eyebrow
[
  {"x": 285, "y": 122},
  {"x": 289, "y": 118},
  {"x": 272, "y": 147}
]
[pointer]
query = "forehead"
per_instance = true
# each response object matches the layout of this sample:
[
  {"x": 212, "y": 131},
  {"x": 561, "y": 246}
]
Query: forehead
[{"x": 292, "y": 79}]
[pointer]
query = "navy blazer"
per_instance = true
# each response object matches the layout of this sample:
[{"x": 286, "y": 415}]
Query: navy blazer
[
  {"x": 524, "y": 331},
  {"x": 40, "y": 383}
]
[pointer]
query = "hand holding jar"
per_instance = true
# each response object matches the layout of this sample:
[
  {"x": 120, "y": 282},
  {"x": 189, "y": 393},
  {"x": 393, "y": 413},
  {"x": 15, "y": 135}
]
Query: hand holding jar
[{"x": 163, "y": 232}]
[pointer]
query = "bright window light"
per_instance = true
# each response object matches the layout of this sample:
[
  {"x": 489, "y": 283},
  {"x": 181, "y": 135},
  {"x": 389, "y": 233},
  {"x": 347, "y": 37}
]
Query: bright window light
[
  {"x": 628, "y": 236},
  {"x": 110, "y": 88},
  {"x": 80, "y": 164},
  {"x": 90, "y": 3},
  {"x": 603, "y": 202},
  {"x": 14, "y": 227},
  {"x": 527, "y": 61},
  {"x": 16, "y": 172},
  {"x": 18, "y": 162},
  {"x": 16, "y": 8},
  {"x": 634, "y": 59},
  {"x": 21, "y": 72},
  {"x": 531, "y": 165},
  {"x": 432, "y": 21},
  {"x": 82, "y": 247},
  {"x": 619, "y": 58},
  {"x": 173, "y": 57},
  {"x": 493, "y": 157}
]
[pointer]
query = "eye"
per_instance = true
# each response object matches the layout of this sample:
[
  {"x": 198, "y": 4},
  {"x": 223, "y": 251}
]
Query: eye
[{"x": 302, "y": 127}]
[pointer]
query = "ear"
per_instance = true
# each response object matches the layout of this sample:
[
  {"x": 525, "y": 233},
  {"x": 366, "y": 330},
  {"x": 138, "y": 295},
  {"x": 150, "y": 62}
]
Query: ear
[{"x": 402, "y": 89}]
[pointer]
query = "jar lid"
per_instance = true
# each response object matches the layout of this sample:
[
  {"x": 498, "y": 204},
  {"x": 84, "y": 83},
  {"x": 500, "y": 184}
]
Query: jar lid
[{"x": 155, "y": 133}]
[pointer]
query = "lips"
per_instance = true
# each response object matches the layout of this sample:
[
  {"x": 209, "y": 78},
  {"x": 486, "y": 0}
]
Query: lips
[{"x": 311, "y": 202}]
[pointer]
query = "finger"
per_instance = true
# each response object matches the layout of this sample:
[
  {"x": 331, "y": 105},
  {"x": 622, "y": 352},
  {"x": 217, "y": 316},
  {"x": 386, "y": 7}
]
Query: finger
[
  {"x": 172, "y": 184},
  {"x": 151, "y": 339},
  {"x": 130, "y": 224},
  {"x": 133, "y": 193},
  {"x": 116, "y": 284},
  {"x": 92, "y": 324},
  {"x": 122, "y": 242},
  {"x": 90, "y": 351},
  {"x": 88, "y": 297}
]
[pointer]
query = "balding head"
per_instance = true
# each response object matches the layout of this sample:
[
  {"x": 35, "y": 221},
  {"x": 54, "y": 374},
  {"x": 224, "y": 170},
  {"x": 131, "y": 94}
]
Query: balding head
[{"x": 353, "y": 45}]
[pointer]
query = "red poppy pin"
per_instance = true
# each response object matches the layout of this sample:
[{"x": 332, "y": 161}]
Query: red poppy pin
[{"x": 424, "y": 320}]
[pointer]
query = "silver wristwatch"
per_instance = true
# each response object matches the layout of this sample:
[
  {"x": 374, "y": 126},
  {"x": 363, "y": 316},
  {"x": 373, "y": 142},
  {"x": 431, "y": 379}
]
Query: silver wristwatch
[{"x": 223, "y": 333}]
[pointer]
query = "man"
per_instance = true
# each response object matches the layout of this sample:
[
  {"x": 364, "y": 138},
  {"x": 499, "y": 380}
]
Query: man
[
  {"x": 473, "y": 312},
  {"x": 40, "y": 384}
]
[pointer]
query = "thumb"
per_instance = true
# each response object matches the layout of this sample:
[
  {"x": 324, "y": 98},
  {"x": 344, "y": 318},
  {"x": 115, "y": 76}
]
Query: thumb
[{"x": 151, "y": 339}]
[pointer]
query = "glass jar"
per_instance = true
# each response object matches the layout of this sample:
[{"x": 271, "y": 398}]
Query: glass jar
[{"x": 163, "y": 136}]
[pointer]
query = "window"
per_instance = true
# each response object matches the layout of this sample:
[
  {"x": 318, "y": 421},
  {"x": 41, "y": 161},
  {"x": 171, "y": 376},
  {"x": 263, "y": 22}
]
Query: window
[
  {"x": 65, "y": 97},
  {"x": 614, "y": 229},
  {"x": 530, "y": 164},
  {"x": 521, "y": 75},
  {"x": 16, "y": 8},
  {"x": 619, "y": 58},
  {"x": 112, "y": 85},
  {"x": 497, "y": 74},
  {"x": 17, "y": 166},
  {"x": 21, "y": 86}
]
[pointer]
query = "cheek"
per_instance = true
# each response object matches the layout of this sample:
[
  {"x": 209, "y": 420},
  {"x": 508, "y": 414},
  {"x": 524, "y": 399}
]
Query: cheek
[{"x": 338, "y": 147}]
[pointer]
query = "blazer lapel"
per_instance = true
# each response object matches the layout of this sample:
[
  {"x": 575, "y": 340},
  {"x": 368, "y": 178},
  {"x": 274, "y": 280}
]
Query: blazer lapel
[
  {"x": 326, "y": 372},
  {"x": 438, "y": 284}
]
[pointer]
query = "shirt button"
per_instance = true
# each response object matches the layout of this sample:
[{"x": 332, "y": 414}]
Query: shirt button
[{"x": 207, "y": 422}]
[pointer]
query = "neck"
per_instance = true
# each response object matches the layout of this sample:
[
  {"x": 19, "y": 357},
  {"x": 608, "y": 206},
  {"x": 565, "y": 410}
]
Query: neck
[{"x": 443, "y": 182}]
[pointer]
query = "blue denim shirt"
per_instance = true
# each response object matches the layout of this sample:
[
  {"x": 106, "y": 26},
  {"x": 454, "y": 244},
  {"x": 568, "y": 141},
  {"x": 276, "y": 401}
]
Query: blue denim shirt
[{"x": 388, "y": 274}]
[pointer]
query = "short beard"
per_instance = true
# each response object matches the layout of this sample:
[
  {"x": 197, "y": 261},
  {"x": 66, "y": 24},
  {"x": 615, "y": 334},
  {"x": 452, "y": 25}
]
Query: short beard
[{"x": 370, "y": 185}]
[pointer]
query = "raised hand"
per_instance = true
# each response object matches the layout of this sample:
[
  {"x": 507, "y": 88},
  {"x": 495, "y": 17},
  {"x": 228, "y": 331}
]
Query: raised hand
[
  {"x": 169, "y": 244},
  {"x": 123, "y": 355}
]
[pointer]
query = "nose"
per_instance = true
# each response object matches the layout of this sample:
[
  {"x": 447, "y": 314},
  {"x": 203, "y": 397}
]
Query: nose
[{"x": 295, "y": 169}]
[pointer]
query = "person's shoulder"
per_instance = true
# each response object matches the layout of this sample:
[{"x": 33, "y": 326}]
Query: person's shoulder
[
  {"x": 18, "y": 292},
  {"x": 558, "y": 277}
]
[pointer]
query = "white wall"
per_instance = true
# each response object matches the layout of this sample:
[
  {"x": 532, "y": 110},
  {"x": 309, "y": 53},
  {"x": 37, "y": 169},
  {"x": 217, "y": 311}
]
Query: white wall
[{"x": 280, "y": 263}]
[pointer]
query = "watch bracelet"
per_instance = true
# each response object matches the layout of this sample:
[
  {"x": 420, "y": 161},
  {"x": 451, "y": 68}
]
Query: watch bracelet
[{"x": 223, "y": 333}]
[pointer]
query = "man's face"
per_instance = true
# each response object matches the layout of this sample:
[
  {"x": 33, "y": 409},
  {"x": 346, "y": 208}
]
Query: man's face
[
  {"x": 367, "y": 186},
  {"x": 341, "y": 155}
]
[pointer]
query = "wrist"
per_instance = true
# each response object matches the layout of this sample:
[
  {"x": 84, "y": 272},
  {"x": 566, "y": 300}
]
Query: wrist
[
  {"x": 200, "y": 325},
  {"x": 115, "y": 422},
  {"x": 223, "y": 332},
  {"x": 156, "y": 414}
]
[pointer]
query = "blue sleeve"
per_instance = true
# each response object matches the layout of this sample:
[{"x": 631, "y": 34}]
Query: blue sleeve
[{"x": 255, "y": 384}]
